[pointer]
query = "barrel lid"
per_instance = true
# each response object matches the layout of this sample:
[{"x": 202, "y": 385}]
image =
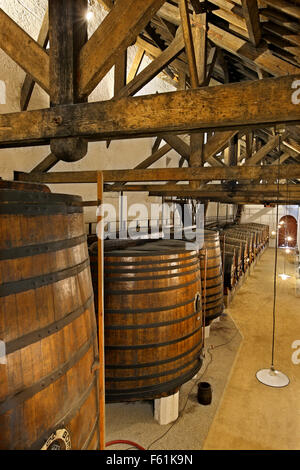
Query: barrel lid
[
  {"x": 150, "y": 249},
  {"x": 23, "y": 186},
  {"x": 35, "y": 197}
]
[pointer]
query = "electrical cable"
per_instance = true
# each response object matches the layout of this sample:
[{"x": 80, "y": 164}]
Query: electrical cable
[
  {"x": 275, "y": 263},
  {"x": 124, "y": 441},
  {"x": 211, "y": 347}
]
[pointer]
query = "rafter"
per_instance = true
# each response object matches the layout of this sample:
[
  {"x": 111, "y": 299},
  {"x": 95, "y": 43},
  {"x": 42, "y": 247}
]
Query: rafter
[
  {"x": 28, "y": 84},
  {"x": 251, "y": 14},
  {"x": 23, "y": 50},
  {"x": 263, "y": 152},
  {"x": 45, "y": 165},
  {"x": 188, "y": 41},
  {"x": 267, "y": 172},
  {"x": 117, "y": 31},
  {"x": 155, "y": 67}
]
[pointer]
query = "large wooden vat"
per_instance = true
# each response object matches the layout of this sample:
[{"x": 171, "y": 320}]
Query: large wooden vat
[
  {"x": 153, "y": 321},
  {"x": 49, "y": 389},
  {"x": 211, "y": 270},
  {"x": 211, "y": 275}
]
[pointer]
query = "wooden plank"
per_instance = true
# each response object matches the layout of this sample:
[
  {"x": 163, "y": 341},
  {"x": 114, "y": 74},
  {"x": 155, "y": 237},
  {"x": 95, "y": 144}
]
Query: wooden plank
[
  {"x": 117, "y": 31},
  {"x": 263, "y": 152},
  {"x": 155, "y": 67},
  {"x": 67, "y": 34},
  {"x": 28, "y": 84},
  {"x": 281, "y": 159},
  {"x": 267, "y": 172},
  {"x": 178, "y": 145},
  {"x": 188, "y": 41},
  {"x": 216, "y": 144},
  {"x": 261, "y": 56},
  {"x": 23, "y": 50},
  {"x": 46, "y": 164},
  {"x": 211, "y": 62},
  {"x": 107, "y": 4},
  {"x": 210, "y": 189},
  {"x": 120, "y": 72},
  {"x": 284, "y": 7},
  {"x": 251, "y": 14},
  {"x": 239, "y": 200},
  {"x": 199, "y": 35},
  {"x": 136, "y": 64},
  {"x": 260, "y": 103},
  {"x": 156, "y": 144}
]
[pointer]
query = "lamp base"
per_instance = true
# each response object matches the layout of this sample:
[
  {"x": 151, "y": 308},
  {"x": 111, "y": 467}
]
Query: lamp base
[{"x": 272, "y": 378}]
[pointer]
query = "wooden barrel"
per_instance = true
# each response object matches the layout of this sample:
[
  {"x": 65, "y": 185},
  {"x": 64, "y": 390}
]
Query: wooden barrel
[
  {"x": 244, "y": 246},
  {"x": 237, "y": 252},
  {"x": 249, "y": 237},
  {"x": 48, "y": 393},
  {"x": 153, "y": 321},
  {"x": 263, "y": 228},
  {"x": 211, "y": 275},
  {"x": 230, "y": 270}
]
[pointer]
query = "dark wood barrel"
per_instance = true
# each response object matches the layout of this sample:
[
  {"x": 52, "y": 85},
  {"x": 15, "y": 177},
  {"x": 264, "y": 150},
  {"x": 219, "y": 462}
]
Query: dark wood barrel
[
  {"x": 262, "y": 228},
  {"x": 237, "y": 252},
  {"x": 153, "y": 321},
  {"x": 211, "y": 275},
  {"x": 230, "y": 270},
  {"x": 230, "y": 240},
  {"x": 49, "y": 392},
  {"x": 249, "y": 237}
]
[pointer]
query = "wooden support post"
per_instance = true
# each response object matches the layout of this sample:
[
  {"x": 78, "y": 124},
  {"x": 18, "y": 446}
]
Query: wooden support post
[
  {"x": 67, "y": 35},
  {"x": 101, "y": 315}
]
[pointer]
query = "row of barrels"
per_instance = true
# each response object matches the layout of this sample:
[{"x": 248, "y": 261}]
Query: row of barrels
[{"x": 241, "y": 244}]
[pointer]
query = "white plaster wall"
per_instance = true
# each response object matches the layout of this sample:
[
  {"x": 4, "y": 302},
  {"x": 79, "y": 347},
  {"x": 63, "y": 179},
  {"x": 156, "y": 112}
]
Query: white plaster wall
[{"x": 266, "y": 215}]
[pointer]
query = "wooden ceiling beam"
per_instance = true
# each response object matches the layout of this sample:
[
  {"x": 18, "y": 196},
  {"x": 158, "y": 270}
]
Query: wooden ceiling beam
[
  {"x": 237, "y": 173},
  {"x": 46, "y": 164},
  {"x": 188, "y": 41},
  {"x": 261, "y": 56},
  {"x": 285, "y": 7},
  {"x": 23, "y": 50},
  {"x": 251, "y": 14},
  {"x": 117, "y": 31},
  {"x": 136, "y": 64},
  {"x": 214, "y": 190},
  {"x": 154, "y": 68},
  {"x": 260, "y": 103},
  {"x": 67, "y": 35},
  {"x": 257, "y": 157},
  {"x": 28, "y": 84}
]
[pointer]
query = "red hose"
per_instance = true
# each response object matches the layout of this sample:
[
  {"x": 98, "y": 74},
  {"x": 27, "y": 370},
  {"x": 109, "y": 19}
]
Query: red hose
[{"x": 131, "y": 443}]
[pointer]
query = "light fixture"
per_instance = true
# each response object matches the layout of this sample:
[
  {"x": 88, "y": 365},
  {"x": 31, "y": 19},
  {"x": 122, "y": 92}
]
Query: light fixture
[
  {"x": 89, "y": 15},
  {"x": 284, "y": 277},
  {"x": 289, "y": 239},
  {"x": 273, "y": 233},
  {"x": 287, "y": 250},
  {"x": 272, "y": 377}
]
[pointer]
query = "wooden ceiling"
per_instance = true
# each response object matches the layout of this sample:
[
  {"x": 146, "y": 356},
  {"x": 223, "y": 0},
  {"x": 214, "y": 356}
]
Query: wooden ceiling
[{"x": 232, "y": 45}]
